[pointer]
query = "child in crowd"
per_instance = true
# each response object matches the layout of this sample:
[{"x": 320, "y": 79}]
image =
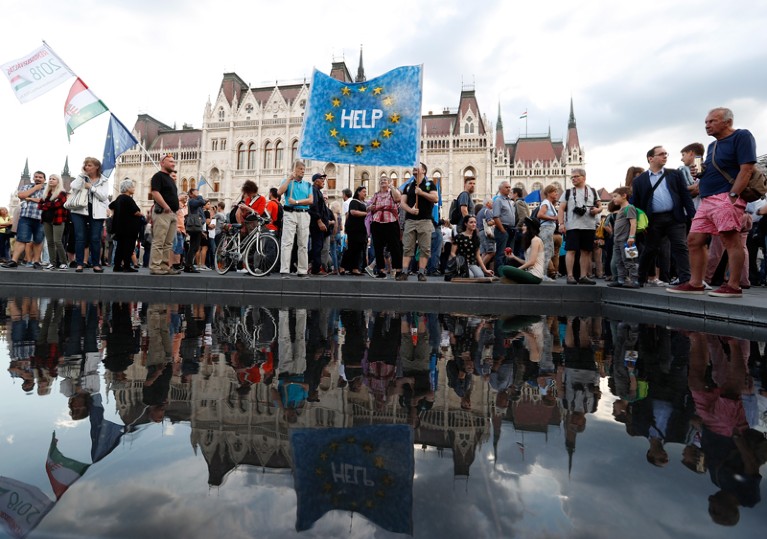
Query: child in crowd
[{"x": 624, "y": 233}]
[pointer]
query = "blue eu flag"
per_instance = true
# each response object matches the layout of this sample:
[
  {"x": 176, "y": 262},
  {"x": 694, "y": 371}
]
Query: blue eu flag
[
  {"x": 119, "y": 140},
  {"x": 367, "y": 469},
  {"x": 377, "y": 122}
]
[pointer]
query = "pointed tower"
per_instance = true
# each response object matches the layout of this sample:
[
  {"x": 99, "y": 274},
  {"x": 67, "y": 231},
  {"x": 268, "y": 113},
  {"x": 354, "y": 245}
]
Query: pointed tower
[
  {"x": 572, "y": 130},
  {"x": 360, "y": 70},
  {"x": 500, "y": 143},
  {"x": 25, "y": 178},
  {"x": 66, "y": 178}
]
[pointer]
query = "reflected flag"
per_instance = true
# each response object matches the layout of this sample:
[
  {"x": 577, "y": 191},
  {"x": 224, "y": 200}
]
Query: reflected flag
[
  {"x": 119, "y": 140},
  {"x": 105, "y": 435},
  {"x": 377, "y": 122},
  {"x": 62, "y": 471},
  {"x": 22, "y": 506},
  {"x": 81, "y": 106},
  {"x": 368, "y": 470},
  {"x": 36, "y": 73}
]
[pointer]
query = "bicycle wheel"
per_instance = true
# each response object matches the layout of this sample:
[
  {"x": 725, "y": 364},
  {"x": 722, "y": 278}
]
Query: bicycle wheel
[
  {"x": 224, "y": 258},
  {"x": 262, "y": 255}
]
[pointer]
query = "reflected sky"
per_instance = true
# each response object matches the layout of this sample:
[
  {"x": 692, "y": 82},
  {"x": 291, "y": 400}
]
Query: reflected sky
[{"x": 184, "y": 414}]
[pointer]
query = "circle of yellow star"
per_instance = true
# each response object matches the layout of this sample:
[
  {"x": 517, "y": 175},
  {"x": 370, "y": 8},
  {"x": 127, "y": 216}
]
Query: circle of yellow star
[
  {"x": 375, "y": 144},
  {"x": 388, "y": 101},
  {"x": 329, "y": 116},
  {"x": 343, "y": 144},
  {"x": 357, "y": 149},
  {"x": 363, "y": 89},
  {"x": 345, "y": 90},
  {"x": 387, "y": 133},
  {"x": 377, "y": 91},
  {"x": 336, "y": 102},
  {"x": 394, "y": 118},
  {"x": 334, "y": 132}
]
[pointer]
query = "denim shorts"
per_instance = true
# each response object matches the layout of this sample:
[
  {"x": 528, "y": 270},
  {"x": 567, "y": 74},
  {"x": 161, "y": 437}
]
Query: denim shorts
[
  {"x": 29, "y": 230},
  {"x": 178, "y": 244}
]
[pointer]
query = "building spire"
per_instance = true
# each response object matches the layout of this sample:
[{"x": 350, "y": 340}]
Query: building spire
[
  {"x": 65, "y": 172},
  {"x": 571, "y": 121},
  {"x": 25, "y": 174},
  {"x": 499, "y": 123},
  {"x": 360, "y": 70}
]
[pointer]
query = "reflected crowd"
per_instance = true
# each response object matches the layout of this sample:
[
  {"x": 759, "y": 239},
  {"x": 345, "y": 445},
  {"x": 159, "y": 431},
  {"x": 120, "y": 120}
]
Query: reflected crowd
[{"x": 242, "y": 377}]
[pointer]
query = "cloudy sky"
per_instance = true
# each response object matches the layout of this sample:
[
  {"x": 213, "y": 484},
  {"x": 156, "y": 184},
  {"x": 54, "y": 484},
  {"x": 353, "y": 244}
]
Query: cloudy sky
[{"x": 640, "y": 74}]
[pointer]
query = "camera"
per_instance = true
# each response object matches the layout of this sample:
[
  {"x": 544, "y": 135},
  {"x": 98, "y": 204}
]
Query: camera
[{"x": 580, "y": 211}]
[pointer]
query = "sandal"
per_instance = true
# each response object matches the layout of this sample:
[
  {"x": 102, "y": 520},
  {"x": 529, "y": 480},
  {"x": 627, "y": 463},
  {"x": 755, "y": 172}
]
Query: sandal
[{"x": 79, "y": 269}]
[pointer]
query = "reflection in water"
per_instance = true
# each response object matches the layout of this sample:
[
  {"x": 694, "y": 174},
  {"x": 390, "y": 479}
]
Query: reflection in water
[{"x": 243, "y": 378}]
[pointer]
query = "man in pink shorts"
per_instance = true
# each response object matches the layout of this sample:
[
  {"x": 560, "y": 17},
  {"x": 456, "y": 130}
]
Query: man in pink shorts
[{"x": 721, "y": 208}]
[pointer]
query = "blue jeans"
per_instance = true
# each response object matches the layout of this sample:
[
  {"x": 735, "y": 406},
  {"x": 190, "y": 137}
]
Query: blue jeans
[
  {"x": 93, "y": 238},
  {"x": 436, "y": 250},
  {"x": 502, "y": 241}
]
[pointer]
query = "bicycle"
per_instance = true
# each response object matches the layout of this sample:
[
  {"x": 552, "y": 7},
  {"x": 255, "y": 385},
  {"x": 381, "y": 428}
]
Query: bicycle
[{"x": 259, "y": 250}]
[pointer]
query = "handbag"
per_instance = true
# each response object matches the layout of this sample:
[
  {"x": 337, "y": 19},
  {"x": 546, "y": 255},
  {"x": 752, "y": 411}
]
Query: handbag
[
  {"x": 456, "y": 267},
  {"x": 77, "y": 200},
  {"x": 490, "y": 231},
  {"x": 757, "y": 183},
  {"x": 194, "y": 222}
]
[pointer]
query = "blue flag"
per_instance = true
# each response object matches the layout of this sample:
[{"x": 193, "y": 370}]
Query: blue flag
[
  {"x": 377, "y": 122},
  {"x": 202, "y": 182},
  {"x": 367, "y": 469},
  {"x": 119, "y": 140}
]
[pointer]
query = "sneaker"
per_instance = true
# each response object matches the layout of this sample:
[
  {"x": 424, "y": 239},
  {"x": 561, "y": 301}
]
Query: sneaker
[
  {"x": 11, "y": 264},
  {"x": 369, "y": 270},
  {"x": 547, "y": 279},
  {"x": 707, "y": 286},
  {"x": 616, "y": 284},
  {"x": 401, "y": 276},
  {"x": 571, "y": 280},
  {"x": 421, "y": 277},
  {"x": 302, "y": 275},
  {"x": 630, "y": 284},
  {"x": 49, "y": 267},
  {"x": 242, "y": 270},
  {"x": 687, "y": 288},
  {"x": 31, "y": 265},
  {"x": 173, "y": 271},
  {"x": 674, "y": 281},
  {"x": 381, "y": 275},
  {"x": 586, "y": 280},
  {"x": 726, "y": 291},
  {"x": 63, "y": 267},
  {"x": 321, "y": 273},
  {"x": 656, "y": 282}
]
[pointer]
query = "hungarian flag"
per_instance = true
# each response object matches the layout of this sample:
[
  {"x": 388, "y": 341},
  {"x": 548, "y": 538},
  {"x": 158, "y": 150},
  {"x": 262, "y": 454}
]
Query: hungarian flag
[
  {"x": 82, "y": 105},
  {"x": 62, "y": 471},
  {"x": 523, "y": 115}
]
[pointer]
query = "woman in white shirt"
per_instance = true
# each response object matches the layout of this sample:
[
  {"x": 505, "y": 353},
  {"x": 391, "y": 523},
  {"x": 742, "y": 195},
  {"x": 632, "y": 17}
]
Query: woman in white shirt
[
  {"x": 89, "y": 220},
  {"x": 532, "y": 267}
]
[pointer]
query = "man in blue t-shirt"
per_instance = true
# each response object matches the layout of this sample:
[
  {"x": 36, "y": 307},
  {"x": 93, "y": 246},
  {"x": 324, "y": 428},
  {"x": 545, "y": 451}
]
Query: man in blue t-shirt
[
  {"x": 295, "y": 222},
  {"x": 726, "y": 172}
]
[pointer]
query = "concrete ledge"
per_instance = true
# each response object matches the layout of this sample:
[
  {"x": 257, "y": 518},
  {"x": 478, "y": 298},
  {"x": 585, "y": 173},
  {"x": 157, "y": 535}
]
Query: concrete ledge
[{"x": 366, "y": 293}]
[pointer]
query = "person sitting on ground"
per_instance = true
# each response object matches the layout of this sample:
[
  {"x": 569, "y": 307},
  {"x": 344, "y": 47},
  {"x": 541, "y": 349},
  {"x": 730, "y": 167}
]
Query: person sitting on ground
[
  {"x": 532, "y": 267},
  {"x": 466, "y": 244}
]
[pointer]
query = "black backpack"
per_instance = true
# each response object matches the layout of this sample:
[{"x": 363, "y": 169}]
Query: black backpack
[{"x": 455, "y": 211}]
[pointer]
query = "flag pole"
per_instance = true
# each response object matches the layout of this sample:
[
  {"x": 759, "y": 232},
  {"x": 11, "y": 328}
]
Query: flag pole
[{"x": 59, "y": 59}]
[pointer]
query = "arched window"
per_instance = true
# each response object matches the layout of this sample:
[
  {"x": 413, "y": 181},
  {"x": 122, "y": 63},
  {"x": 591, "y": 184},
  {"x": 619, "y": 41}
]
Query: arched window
[
  {"x": 215, "y": 180},
  {"x": 468, "y": 128},
  {"x": 267, "y": 154},
  {"x": 469, "y": 172},
  {"x": 294, "y": 151},
  {"x": 184, "y": 185},
  {"x": 251, "y": 156},
  {"x": 394, "y": 179},
  {"x": 279, "y": 150},
  {"x": 192, "y": 183},
  {"x": 221, "y": 114},
  {"x": 241, "y": 156}
]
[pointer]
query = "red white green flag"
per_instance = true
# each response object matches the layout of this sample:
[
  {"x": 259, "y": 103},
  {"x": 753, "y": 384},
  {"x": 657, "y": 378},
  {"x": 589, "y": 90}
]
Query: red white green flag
[
  {"x": 62, "y": 471},
  {"x": 82, "y": 105}
]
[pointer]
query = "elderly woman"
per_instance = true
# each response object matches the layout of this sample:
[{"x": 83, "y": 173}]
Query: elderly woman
[
  {"x": 89, "y": 220},
  {"x": 126, "y": 224},
  {"x": 385, "y": 226},
  {"x": 54, "y": 215}
]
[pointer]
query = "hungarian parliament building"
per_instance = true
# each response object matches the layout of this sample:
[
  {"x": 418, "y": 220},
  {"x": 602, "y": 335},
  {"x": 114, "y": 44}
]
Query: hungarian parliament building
[{"x": 251, "y": 133}]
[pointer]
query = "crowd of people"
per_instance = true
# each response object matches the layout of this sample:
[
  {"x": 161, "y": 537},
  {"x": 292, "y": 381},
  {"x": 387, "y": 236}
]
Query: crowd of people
[{"x": 687, "y": 229}]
